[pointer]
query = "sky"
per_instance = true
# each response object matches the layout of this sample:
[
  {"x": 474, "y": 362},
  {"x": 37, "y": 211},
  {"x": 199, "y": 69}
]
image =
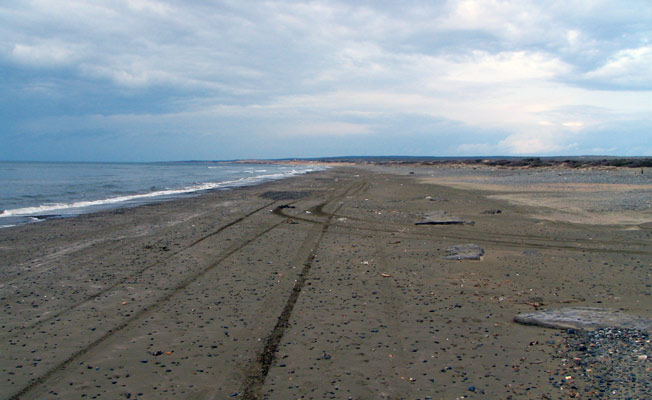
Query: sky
[{"x": 148, "y": 80}]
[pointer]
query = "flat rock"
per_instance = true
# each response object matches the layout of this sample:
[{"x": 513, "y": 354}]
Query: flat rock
[
  {"x": 440, "y": 217},
  {"x": 464, "y": 252},
  {"x": 586, "y": 318}
]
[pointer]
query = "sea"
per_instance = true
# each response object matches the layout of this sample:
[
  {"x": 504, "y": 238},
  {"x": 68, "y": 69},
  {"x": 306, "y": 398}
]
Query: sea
[{"x": 35, "y": 191}]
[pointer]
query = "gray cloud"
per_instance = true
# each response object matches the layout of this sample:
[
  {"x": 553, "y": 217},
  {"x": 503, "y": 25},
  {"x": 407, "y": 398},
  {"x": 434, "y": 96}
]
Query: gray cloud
[{"x": 273, "y": 71}]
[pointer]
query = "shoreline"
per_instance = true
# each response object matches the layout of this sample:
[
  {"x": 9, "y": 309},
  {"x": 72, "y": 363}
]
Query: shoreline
[
  {"x": 60, "y": 209},
  {"x": 318, "y": 285}
]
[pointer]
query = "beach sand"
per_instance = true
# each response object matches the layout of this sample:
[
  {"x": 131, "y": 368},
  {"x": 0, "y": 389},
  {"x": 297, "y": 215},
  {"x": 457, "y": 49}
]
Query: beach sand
[{"x": 337, "y": 294}]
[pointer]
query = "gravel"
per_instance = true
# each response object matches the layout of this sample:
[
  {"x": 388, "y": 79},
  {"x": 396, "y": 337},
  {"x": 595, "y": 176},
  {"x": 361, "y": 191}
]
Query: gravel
[{"x": 610, "y": 363}]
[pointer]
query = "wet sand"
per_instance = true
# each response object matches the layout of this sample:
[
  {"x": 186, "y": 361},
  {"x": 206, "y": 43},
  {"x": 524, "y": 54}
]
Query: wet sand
[{"x": 338, "y": 294}]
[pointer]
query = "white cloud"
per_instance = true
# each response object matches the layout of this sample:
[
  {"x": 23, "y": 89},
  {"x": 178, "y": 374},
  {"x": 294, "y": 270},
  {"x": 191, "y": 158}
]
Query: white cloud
[
  {"x": 325, "y": 129},
  {"x": 43, "y": 55},
  {"x": 148, "y": 6},
  {"x": 512, "y": 20},
  {"x": 483, "y": 67},
  {"x": 525, "y": 143},
  {"x": 628, "y": 67}
]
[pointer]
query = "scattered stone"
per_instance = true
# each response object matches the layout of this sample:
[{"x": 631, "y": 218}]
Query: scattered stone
[
  {"x": 492, "y": 212},
  {"x": 385, "y": 275},
  {"x": 535, "y": 302},
  {"x": 607, "y": 363},
  {"x": 441, "y": 217},
  {"x": 587, "y": 318},
  {"x": 436, "y": 198},
  {"x": 464, "y": 252}
]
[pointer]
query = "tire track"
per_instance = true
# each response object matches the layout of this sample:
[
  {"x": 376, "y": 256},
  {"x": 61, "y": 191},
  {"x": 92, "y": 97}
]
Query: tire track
[
  {"x": 108, "y": 239},
  {"x": 477, "y": 238},
  {"x": 140, "y": 271},
  {"x": 157, "y": 303},
  {"x": 392, "y": 310},
  {"x": 486, "y": 233},
  {"x": 105, "y": 235},
  {"x": 139, "y": 314},
  {"x": 253, "y": 384}
]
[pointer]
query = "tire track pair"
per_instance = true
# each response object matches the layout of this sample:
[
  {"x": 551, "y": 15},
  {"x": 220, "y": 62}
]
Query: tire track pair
[
  {"x": 141, "y": 270},
  {"x": 253, "y": 384},
  {"x": 59, "y": 367},
  {"x": 479, "y": 238}
]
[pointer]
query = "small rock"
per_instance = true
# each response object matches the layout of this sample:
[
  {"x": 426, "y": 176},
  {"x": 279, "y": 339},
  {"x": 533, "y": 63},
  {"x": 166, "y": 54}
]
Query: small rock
[{"x": 464, "y": 252}]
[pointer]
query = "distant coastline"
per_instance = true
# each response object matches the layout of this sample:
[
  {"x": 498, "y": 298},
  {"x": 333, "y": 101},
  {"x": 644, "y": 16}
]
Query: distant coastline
[{"x": 573, "y": 162}]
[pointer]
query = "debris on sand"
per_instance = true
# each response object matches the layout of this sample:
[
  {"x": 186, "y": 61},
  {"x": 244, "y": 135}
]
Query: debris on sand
[
  {"x": 468, "y": 251},
  {"x": 492, "y": 212},
  {"x": 440, "y": 217}
]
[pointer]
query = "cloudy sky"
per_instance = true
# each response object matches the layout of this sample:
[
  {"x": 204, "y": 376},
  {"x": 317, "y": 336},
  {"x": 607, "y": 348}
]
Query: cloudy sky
[{"x": 144, "y": 80}]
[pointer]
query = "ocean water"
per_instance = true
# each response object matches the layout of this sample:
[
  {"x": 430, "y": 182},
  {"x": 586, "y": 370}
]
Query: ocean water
[{"x": 34, "y": 191}]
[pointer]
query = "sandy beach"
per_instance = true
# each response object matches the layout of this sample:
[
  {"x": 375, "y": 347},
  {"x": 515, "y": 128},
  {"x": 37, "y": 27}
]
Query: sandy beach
[{"x": 323, "y": 286}]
